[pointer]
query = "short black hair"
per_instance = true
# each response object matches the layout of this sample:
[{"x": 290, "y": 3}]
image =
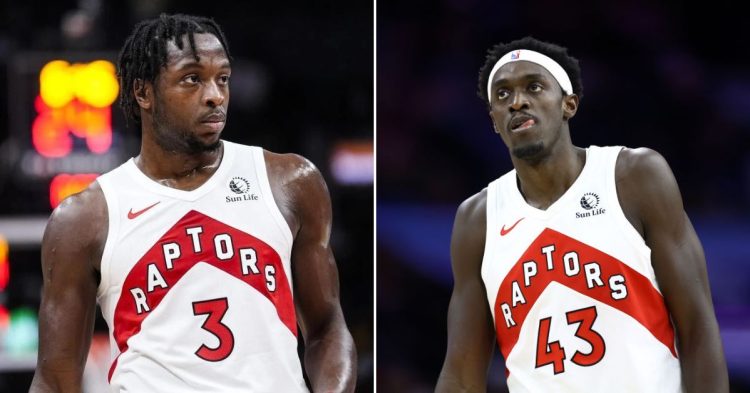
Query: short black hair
[
  {"x": 553, "y": 51},
  {"x": 145, "y": 52}
]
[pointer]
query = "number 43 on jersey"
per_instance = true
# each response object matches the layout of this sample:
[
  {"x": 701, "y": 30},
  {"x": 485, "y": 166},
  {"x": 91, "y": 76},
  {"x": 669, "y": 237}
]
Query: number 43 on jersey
[{"x": 553, "y": 353}]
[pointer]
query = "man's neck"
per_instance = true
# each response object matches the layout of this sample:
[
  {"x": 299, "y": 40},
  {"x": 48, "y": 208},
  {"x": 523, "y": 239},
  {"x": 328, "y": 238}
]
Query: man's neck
[
  {"x": 184, "y": 171},
  {"x": 542, "y": 182}
]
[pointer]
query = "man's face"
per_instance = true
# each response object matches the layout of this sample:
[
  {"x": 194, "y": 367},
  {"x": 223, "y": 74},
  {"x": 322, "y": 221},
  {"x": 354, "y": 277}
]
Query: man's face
[
  {"x": 191, "y": 97},
  {"x": 527, "y": 108}
]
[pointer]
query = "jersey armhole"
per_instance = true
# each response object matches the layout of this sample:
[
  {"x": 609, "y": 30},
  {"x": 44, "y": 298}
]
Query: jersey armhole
[
  {"x": 629, "y": 232},
  {"x": 491, "y": 227},
  {"x": 491, "y": 219},
  {"x": 113, "y": 225},
  {"x": 265, "y": 185}
]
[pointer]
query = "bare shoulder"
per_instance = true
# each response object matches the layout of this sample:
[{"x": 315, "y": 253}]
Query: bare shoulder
[
  {"x": 289, "y": 168},
  {"x": 469, "y": 233},
  {"x": 299, "y": 189},
  {"x": 78, "y": 224},
  {"x": 641, "y": 165},
  {"x": 82, "y": 211},
  {"x": 646, "y": 187},
  {"x": 472, "y": 211}
]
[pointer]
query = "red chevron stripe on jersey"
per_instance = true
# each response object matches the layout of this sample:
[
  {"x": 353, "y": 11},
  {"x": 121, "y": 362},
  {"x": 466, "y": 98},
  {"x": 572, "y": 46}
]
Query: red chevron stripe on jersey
[
  {"x": 641, "y": 301},
  {"x": 129, "y": 316}
]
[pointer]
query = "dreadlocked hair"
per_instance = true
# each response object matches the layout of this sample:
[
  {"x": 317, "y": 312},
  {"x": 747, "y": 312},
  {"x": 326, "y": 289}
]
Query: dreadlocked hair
[
  {"x": 555, "y": 52},
  {"x": 145, "y": 52}
]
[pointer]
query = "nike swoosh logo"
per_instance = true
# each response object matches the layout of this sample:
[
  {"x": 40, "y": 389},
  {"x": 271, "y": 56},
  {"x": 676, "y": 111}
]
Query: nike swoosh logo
[
  {"x": 132, "y": 215},
  {"x": 504, "y": 231}
]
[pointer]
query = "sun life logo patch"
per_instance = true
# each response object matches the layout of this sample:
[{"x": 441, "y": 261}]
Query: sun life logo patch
[
  {"x": 589, "y": 200},
  {"x": 239, "y": 185},
  {"x": 241, "y": 188}
]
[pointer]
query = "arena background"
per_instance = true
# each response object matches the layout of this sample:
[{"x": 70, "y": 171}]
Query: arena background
[
  {"x": 302, "y": 82},
  {"x": 672, "y": 77}
]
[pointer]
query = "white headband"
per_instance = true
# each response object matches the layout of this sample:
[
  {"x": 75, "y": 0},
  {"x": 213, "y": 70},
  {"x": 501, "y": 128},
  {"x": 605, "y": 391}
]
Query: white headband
[{"x": 535, "y": 57}]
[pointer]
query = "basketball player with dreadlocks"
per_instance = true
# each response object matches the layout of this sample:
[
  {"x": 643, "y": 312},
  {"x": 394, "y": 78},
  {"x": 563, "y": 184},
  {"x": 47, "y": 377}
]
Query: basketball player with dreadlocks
[
  {"x": 580, "y": 262},
  {"x": 204, "y": 255}
]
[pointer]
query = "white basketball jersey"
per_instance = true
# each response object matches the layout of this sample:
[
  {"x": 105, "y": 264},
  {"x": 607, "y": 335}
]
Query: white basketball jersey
[
  {"x": 196, "y": 285},
  {"x": 574, "y": 298}
]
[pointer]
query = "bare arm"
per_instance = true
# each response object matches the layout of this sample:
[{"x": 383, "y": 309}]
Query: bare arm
[
  {"x": 71, "y": 248},
  {"x": 652, "y": 201},
  {"x": 330, "y": 355},
  {"x": 470, "y": 329}
]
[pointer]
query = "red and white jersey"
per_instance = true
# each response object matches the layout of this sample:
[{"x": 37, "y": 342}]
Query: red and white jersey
[
  {"x": 196, "y": 285},
  {"x": 574, "y": 298}
]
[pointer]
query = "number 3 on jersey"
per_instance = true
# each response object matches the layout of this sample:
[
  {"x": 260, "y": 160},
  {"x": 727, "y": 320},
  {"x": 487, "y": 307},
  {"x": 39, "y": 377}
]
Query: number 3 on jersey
[
  {"x": 215, "y": 309},
  {"x": 554, "y": 354}
]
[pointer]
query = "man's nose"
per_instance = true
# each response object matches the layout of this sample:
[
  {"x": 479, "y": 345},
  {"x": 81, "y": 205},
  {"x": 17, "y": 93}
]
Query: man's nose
[
  {"x": 213, "y": 95},
  {"x": 519, "y": 102}
]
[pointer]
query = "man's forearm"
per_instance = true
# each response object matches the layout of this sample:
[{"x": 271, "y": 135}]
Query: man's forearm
[
  {"x": 331, "y": 361},
  {"x": 702, "y": 361},
  {"x": 450, "y": 384},
  {"x": 58, "y": 382}
]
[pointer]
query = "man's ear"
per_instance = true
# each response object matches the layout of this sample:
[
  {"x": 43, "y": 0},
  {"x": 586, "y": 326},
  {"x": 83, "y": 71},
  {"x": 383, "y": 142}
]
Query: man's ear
[
  {"x": 570, "y": 106},
  {"x": 144, "y": 93},
  {"x": 494, "y": 124}
]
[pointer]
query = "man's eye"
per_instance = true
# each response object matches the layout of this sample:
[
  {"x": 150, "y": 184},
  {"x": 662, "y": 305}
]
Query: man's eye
[
  {"x": 224, "y": 79},
  {"x": 191, "y": 78},
  {"x": 535, "y": 87},
  {"x": 502, "y": 94}
]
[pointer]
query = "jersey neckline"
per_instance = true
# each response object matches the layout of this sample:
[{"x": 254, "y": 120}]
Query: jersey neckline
[
  {"x": 556, "y": 205},
  {"x": 192, "y": 195}
]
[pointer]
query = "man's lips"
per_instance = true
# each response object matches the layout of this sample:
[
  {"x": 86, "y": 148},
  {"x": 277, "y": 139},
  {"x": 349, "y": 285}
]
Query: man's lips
[
  {"x": 214, "y": 118},
  {"x": 527, "y": 124},
  {"x": 214, "y": 122},
  {"x": 521, "y": 122}
]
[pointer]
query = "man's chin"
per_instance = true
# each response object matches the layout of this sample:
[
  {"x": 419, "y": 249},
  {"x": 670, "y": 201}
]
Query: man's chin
[
  {"x": 528, "y": 152},
  {"x": 197, "y": 145}
]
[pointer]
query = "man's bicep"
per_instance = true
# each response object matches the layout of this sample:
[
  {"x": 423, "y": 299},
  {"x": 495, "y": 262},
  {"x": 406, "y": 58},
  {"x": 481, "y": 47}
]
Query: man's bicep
[
  {"x": 313, "y": 264},
  {"x": 676, "y": 253},
  {"x": 680, "y": 268},
  {"x": 469, "y": 319},
  {"x": 68, "y": 306},
  {"x": 470, "y": 333},
  {"x": 66, "y": 320},
  {"x": 317, "y": 287}
]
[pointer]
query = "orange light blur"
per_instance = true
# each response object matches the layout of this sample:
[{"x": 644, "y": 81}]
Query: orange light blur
[
  {"x": 4, "y": 318},
  {"x": 94, "y": 83},
  {"x": 65, "y": 185},
  {"x": 4, "y": 265},
  {"x": 74, "y": 99}
]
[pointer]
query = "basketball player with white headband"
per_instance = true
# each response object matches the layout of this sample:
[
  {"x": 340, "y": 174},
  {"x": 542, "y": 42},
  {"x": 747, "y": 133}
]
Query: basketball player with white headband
[{"x": 580, "y": 262}]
